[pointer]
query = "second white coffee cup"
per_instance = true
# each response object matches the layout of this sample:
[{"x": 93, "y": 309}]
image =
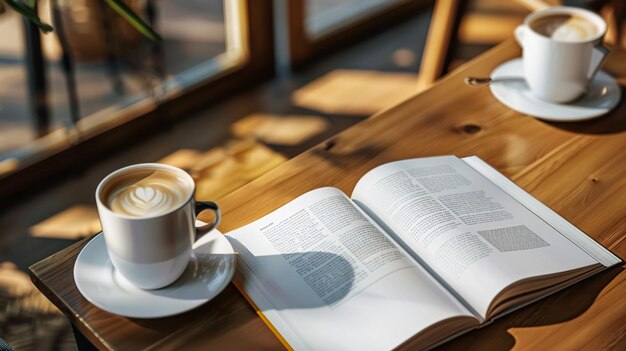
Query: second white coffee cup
[
  {"x": 151, "y": 250},
  {"x": 558, "y": 70}
]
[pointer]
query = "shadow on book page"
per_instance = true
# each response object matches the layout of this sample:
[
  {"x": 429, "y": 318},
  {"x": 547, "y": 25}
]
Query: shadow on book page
[{"x": 308, "y": 279}]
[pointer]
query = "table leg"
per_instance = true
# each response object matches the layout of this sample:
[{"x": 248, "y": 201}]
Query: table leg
[{"x": 82, "y": 342}]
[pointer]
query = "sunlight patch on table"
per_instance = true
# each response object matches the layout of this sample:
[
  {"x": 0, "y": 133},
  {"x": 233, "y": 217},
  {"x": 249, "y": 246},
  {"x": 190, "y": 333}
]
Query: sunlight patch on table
[
  {"x": 356, "y": 92},
  {"x": 279, "y": 130},
  {"x": 72, "y": 223},
  {"x": 224, "y": 169},
  {"x": 182, "y": 158}
]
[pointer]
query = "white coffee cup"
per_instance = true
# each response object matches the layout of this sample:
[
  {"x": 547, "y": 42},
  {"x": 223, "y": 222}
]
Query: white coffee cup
[
  {"x": 558, "y": 70},
  {"x": 152, "y": 250}
]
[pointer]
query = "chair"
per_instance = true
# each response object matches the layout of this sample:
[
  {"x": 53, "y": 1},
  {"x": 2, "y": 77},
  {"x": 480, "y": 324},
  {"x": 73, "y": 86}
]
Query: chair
[
  {"x": 447, "y": 14},
  {"x": 444, "y": 24}
]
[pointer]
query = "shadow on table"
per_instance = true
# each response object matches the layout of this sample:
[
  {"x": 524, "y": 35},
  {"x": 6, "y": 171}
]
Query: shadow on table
[
  {"x": 613, "y": 123},
  {"x": 558, "y": 308},
  {"x": 329, "y": 276}
]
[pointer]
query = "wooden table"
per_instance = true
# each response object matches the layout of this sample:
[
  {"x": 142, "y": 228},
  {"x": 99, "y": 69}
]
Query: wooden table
[{"x": 578, "y": 169}]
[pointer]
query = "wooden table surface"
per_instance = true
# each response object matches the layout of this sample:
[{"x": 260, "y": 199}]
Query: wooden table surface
[{"x": 578, "y": 169}]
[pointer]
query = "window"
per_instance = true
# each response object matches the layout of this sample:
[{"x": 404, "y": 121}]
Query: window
[
  {"x": 325, "y": 16},
  {"x": 124, "y": 84},
  {"x": 316, "y": 26}
]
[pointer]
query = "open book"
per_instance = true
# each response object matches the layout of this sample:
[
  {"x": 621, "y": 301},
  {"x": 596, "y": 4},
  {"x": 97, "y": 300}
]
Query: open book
[{"x": 426, "y": 249}]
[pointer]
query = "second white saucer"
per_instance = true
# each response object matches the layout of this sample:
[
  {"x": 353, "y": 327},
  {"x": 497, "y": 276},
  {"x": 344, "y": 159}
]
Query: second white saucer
[
  {"x": 208, "y": 273},
  {"x": 604, "y": 94}
]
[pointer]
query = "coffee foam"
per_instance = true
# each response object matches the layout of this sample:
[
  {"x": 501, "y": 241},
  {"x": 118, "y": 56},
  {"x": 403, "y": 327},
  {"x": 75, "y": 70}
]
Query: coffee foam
[
  {"x": 565, "y": 27},
  {"x": 145, "y": 193}
]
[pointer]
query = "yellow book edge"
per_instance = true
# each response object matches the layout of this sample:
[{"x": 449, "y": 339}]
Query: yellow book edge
[{"x": 262, "y": 316}]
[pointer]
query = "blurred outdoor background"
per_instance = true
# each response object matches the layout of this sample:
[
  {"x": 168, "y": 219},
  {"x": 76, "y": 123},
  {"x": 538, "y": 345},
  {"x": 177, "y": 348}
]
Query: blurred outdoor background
[{"x": 234, "y": 89}]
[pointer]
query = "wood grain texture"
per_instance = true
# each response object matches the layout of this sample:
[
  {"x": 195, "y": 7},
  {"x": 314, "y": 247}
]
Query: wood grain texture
[{"x": 577, "y": 169}]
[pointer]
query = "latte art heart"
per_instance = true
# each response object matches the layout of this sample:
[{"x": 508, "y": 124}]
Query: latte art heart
[
  {"x": 147, "y": 195},
  {"x": 142, "y": 199}
]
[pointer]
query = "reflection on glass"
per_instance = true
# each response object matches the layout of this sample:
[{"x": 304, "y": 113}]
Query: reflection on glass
[
  {"x": 16, "y": 126},
  {"x": 323, "y": 16}
]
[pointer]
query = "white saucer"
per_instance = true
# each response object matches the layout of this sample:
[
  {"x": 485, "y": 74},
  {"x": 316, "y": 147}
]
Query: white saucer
[
  {"x": 208, "y": 273},
  {"x": 604, "y": 94}
]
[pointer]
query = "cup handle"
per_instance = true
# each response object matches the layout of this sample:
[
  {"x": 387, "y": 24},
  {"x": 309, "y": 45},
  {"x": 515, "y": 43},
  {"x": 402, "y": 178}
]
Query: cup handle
[
  {"x": 519, "y": 35},
  {"x": 207, "y": 205},
  {"x": 598, "y": 56}
]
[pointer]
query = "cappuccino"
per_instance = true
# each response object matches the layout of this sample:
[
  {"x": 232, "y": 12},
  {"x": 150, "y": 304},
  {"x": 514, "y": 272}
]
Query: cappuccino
[
  {"x": 146, "y": 192},
  {"x": 148, "y": 216},
  {"x": 565, "y": 27}
]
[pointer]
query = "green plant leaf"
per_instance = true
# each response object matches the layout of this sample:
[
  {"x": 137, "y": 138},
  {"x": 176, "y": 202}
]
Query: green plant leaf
[
  {"x": 29, "y": 13},
  {"x": 127, "y": 13}
]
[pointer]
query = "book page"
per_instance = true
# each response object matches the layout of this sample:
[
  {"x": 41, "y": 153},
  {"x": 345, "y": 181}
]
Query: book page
[
  {"x": 582, "y": 240},
  {"x": 471, "y": 234},
  {"x": 326, "y": 277}
]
